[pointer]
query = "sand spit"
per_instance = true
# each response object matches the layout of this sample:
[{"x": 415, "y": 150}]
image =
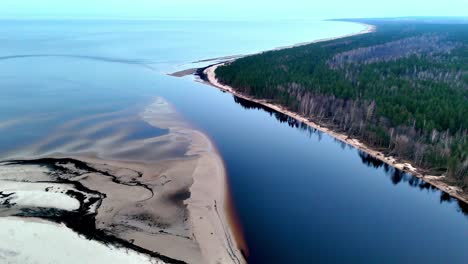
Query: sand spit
[
  {"x": 436, "y": 181},
  {"x": 183, "y": 72},
  {"x": 224, "y": 58},
  {"x": 150, "y": 199},
  {"x": 208, "y": 200},
  {"x": 208, "y": 75}
]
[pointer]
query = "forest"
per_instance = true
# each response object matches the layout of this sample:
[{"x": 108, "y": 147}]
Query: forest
[{"x": 402, "y": 89}]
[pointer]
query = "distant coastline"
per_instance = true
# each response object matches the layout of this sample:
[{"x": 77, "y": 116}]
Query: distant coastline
[
  {"x": 368, "y": 29},
  {"x": 222, "y": 60}
]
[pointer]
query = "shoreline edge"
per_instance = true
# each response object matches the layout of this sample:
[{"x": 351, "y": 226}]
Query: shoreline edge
[{"x": 436, "y": 181}]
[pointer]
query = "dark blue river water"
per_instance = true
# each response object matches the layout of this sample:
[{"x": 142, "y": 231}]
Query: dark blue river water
[{"x": 301, "y": 196}]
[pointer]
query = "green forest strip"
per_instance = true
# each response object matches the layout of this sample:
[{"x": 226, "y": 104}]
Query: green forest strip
[{"x": 402, "y": 90}]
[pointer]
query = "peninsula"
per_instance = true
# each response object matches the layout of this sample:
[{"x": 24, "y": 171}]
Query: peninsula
[{"x": 398, "y": 93}]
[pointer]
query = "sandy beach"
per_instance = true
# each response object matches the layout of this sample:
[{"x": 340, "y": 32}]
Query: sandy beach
[
  {"x": 164, "y": 196},
  {"x": 436, "y": 181},
  {"x": 208, "y": 204}
]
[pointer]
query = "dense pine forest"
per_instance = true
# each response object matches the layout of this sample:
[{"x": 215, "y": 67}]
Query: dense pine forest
[{"x": 402, "y": 89}]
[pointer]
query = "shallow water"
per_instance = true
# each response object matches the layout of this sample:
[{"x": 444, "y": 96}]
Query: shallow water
[{"x": 302, "y": 197}]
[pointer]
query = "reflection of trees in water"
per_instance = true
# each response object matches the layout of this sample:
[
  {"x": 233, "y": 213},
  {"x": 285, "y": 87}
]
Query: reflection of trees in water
[
  {"x": 397, "y": 176},
  {"x": 282, "y": 118},
  {"x": 463, "y": 207}
]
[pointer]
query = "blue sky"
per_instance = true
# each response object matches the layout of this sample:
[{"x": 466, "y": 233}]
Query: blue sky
[{"x": 230, "y": 9}]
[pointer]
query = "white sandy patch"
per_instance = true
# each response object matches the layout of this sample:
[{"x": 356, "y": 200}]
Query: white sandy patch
[
  {"x": 41, "y": 242},
  {"x": 25, "y": 194}
]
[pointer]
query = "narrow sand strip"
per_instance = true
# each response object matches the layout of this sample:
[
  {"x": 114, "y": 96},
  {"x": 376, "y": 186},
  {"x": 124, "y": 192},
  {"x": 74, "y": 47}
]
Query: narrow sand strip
[{"x": 208, "y": 203}]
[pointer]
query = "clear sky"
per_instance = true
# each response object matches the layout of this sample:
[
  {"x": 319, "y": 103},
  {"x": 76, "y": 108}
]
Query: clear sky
[{"x": 231, "y": 9}]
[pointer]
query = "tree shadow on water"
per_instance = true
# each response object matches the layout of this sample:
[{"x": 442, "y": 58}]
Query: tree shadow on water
[{"x": 397, "y": 176}]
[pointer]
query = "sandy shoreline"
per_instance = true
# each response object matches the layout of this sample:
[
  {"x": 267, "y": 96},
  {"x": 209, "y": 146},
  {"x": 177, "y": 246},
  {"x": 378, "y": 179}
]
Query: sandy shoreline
[
  {"x": 436, "y": 181},
  {"x": 208, "y": 205},
  {"x": 165, "y": 196}
]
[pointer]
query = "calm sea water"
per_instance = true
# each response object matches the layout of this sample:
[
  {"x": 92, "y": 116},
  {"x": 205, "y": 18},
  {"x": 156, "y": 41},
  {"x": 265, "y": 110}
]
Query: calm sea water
[{"x": 301, "y": 196}]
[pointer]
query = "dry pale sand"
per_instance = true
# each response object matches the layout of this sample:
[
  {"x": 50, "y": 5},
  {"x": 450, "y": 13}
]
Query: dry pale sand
[
  {"x": 436, "y": 181},
  {"x": 167, "y": 194},
  {"x": 208, "y": 203}
]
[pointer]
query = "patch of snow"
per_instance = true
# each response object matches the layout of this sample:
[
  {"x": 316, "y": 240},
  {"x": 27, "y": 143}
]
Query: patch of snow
[
  {"x": 24, "y": 172},
  {"x": 43, "y": 199},
  {"x": 40, "y": 242},
  {"x": 26, "y": 194}
]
